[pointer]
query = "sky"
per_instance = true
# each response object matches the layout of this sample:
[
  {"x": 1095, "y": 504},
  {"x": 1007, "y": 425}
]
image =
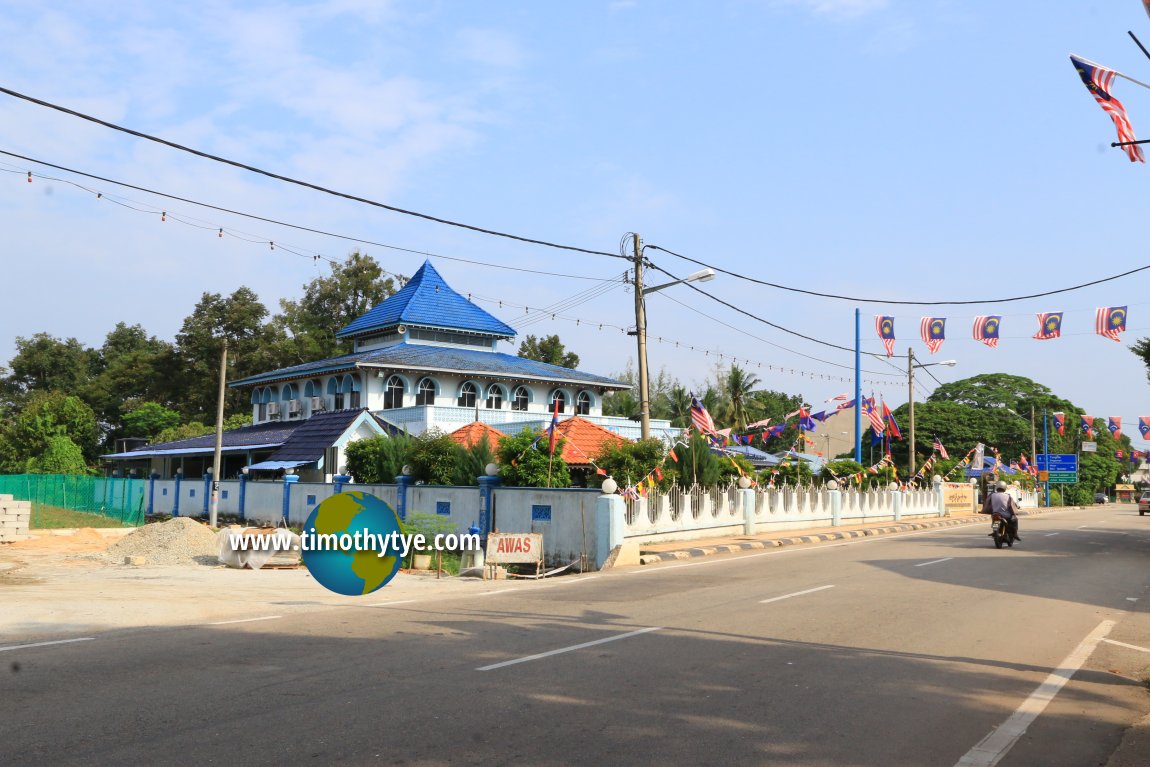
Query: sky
[{"x": 886, "y": 150}]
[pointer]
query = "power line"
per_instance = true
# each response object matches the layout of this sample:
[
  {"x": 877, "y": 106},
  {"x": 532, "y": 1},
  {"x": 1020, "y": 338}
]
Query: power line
[
  {"x": 298, "y": 182},
  {"x": 859, "y": 299},
  {"x": 254, "y": 217}
]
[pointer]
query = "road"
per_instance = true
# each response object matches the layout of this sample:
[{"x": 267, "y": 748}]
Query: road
[{"x": 929, "y": 648}]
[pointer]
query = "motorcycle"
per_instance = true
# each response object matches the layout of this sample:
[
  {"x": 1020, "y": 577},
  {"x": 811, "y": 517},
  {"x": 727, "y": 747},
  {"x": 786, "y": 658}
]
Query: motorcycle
[{"x": 1000, "y": 531}]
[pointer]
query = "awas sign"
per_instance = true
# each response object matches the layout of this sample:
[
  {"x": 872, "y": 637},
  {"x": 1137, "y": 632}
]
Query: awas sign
[{"x": 514, "y": 548}]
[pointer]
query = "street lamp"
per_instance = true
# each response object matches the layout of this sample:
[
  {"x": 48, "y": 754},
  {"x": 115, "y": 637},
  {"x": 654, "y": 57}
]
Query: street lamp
[
  {"x": 910, "y": 366},
  {"x": 703, "y": 275}
]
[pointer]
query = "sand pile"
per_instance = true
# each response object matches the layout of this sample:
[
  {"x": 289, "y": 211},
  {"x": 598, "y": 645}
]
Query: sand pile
[
  {"x": 179, "y": 541},
  {"x": 84, "y": 540}
]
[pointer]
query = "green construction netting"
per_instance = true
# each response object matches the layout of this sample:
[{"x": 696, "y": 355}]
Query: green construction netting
[{"x": 55, "y": 496}]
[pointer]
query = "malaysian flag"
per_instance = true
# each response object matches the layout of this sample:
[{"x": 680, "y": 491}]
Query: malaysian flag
[
  {"x": 1049, "y": 326},
  {"x": 872, "y": 413},
  {"x": 1060, "y": 423},
  {"x": 1109, "y": 321},
  {"x": 1088, "y": 425},
  {"x": 933, "y": 330},
  {"x": 1097, "y": 80},
  {"x": 986, "y": 329},
  {"x": 885, "y": 327},
  {"x": 938, "y": 448},
  {"x": 838, "y": 398},
  {"x": 1144, "y": 425},
  {"x": 1114, "y": 424},
  {"x": 700, "y": 418}
]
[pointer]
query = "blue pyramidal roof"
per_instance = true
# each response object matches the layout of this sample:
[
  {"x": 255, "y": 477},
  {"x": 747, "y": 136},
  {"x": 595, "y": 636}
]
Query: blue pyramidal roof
[{"x": 427, "y": 300}]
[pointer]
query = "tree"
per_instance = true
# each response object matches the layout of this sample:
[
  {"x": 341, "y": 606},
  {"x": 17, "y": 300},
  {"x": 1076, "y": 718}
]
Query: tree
[
  {"x": 328, "y": 305},
  {"x": 378, "y": 460},
  {"x": 434, "y": 457},
  {"x": 132, "y": 368},
  {"x": 147, "y": 419},
  {"x": 251, "y": 349},
  {"x": 47, "y": 415},
  {"x": 630, "y": 462},
  {"x": 548, "y": 349},
  {"x": 473, "y": 463},
  {"x": 61, "y": 456},
  {"x": 738, "y": 386},
  {"x": 45, "y": 363},
  {"x": 525, "y": 462}
]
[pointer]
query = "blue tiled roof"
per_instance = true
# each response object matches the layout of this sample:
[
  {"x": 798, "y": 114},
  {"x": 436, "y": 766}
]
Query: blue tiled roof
[
  {"x": 447, "y": 359},
  {"x": 273, "y": 433},
  {"x": 427, "y": 300}
]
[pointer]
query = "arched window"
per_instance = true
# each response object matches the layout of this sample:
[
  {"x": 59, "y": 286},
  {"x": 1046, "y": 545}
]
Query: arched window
[
  {"x": 349, "y": 387},
  {"x": 558, "y": 402},
  {"x": 335, "y": 394},
  {"x": 261, "y": 404},
  {"x": 426, "y": 393},
  {"x": 393, "y": 393},
  {"x": 583, "y": 404},
  {"x": 468, "y": 393},
  {"x": 520, "y": 398},
  {"x": 495, "y": 397}
]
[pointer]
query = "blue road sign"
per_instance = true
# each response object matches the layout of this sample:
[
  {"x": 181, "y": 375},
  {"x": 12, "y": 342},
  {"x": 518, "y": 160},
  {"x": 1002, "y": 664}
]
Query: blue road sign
[{"x": 1058, "y": 462}]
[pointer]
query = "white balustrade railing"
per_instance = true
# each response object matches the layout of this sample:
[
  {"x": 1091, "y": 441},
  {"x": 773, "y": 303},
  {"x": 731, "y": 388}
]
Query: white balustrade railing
[{"x": 694, "y": 512}]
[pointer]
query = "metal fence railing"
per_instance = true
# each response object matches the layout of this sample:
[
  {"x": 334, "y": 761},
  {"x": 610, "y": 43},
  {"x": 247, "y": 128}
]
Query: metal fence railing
[{"x": 53, "y": 496}]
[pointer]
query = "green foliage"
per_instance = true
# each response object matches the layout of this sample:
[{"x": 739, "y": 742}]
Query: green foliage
[
  {"x": 60, "y": 456},
  {"x": 427, "y": 524},
  {"x": 378, "y": 460},
  {"x": 434, "y": 458},
  {"x": 738, "y": 387},
  {"x": 699, "y": 465},
  {"x": 473, "y": 462},
  {"x": 329, "y": 304},
  {"x": 792, "y": 471},
  {"x": 47, "y": 414},
  {"x": 44, "y": 363},
  {"x": 525, "y": 462},
  {"x": 630, "y": 462},
  {"x": 147, "y": 419},
  {"x": 548, "y": 349}
]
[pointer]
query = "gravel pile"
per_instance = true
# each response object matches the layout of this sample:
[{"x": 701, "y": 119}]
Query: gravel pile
[{"x": 179, "y": 541}]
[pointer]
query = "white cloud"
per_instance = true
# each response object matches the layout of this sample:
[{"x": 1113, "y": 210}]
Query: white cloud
[
  {"x": 489, "y": 47},
  {"x": 841, "y": 8}
]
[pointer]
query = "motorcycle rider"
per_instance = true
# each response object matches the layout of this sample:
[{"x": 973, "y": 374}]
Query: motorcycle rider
[{"x": 1002, "y": 503}]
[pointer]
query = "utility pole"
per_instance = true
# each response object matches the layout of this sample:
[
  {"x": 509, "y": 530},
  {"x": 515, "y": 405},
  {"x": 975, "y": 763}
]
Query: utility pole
[
  {"x": 1033, "y": 441},
  {"x": 910, "y": 395},
  {"x": 215, "y": 507},
  {"x": 641, "y": 335}
]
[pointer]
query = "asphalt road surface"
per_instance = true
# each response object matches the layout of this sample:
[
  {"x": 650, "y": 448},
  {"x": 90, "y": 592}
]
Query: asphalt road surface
[{"x": 929, "y": 648}]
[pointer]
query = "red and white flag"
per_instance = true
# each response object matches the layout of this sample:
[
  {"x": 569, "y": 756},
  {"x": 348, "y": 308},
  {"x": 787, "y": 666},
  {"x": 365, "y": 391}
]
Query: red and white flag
[{"x": 938, "y": 448}]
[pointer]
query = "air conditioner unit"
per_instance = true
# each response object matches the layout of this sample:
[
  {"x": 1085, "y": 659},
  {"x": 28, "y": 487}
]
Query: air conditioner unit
[
  {"x": 273, "y": 410},
  {"x": 317, "y": 403},
  {"x": 294, "y": 407}
]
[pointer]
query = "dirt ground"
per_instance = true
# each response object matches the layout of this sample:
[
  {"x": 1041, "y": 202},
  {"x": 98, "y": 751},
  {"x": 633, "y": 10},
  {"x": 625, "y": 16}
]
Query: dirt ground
[{"x": 58, "y": 584}]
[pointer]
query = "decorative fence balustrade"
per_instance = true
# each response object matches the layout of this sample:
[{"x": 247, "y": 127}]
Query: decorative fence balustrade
[{"x": 685, "y": 513}]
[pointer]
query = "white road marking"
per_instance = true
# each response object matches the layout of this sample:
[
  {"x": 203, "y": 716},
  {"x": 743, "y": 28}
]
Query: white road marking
[
  {"x": 245, "y": 620},
  {"x": 1001, "y": 739},
  {"x": 1091, "y": 530},
  {"x": 567, "y": 649},
  {"x": 45, "y": 644},
  {"x": 934, "y": 562},
  {"x": 1130, "y": 646},
  {"x": 388, "y": 604},
  {"x": 796, "y": 594},
  {"x": 1131, "y": 599}
]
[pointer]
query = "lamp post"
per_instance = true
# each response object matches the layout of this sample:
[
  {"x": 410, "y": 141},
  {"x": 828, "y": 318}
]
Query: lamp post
[
  {"x": 910, "y": 366},
  {"x": 702, "y": 275}
]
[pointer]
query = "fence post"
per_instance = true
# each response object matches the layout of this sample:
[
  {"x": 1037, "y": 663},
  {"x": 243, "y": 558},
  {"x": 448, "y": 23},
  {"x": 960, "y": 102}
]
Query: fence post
[
  {"x": 207, "y": 490},
  {"x": 836, "y": 503},
  {"x": 610, "y": 522},
  {"x": 898, "y": 504},
  {"x": 243, "y": 490},
  {"x": 152, "y": 493},
  {"x": 339, "y": 480},
  {"x": 748, "y": 496},
  {"x": 176, "y": 502},
  {"x": 128, "y": 495},
  {"x": 289, "y": 480},
  {"x": 487, "y": 485},
  {"x": 402, "y": 482}
]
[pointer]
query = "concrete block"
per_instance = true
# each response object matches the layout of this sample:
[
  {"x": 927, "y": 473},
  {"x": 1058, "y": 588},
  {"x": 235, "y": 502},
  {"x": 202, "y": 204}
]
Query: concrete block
[
  {"x": 623, "y": 555},
  {"x": 135, "y": 561}
]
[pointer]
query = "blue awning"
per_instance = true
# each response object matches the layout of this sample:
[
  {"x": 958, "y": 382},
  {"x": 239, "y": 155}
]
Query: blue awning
[{"x": 277, "y": 465}]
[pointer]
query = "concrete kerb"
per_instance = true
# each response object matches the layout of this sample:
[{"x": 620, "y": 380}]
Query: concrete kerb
[{"x": 690, "y": 552}]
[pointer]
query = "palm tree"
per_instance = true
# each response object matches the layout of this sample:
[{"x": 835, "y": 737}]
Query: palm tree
[
  {"x": 738, "y": 387},
  {"x": 679, "y": 406}
]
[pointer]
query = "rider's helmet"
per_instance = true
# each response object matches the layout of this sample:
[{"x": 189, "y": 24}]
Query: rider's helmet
[{"x": 1001, "y": 486}]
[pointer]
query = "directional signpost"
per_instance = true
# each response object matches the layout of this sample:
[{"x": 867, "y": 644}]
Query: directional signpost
[{"x": 1062, "y": 468}]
